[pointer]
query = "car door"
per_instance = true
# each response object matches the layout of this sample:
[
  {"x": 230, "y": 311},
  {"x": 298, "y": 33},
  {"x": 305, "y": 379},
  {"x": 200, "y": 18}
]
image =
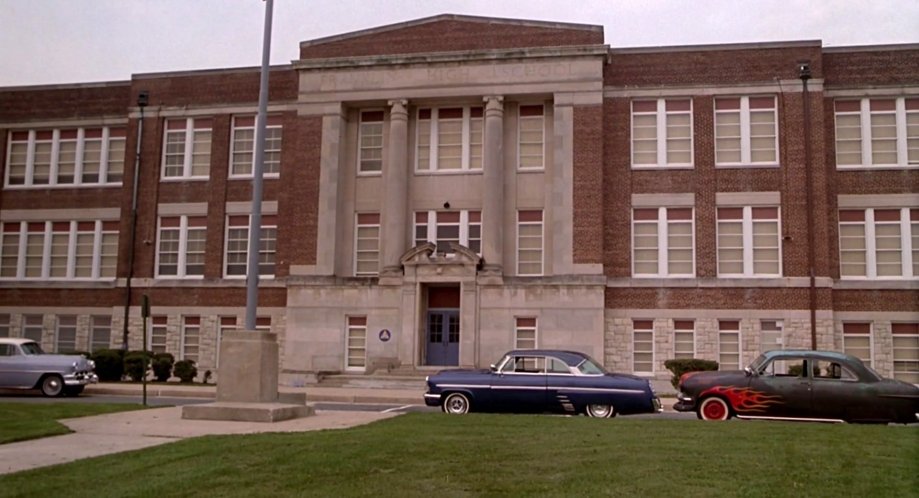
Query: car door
[
  {"x": 520, "y": 385},
  {"x": 839, "y": 395},
  {"x": 782, "y": 389},
  {"x": 14, "y": 367}
]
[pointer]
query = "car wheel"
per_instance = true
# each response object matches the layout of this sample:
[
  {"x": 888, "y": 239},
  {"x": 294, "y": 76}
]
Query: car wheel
[
  {"x": 456, "y": 404},
  {"x": 600, "y": 411},
  {"x": 73, "y": 391},
  {"x": 52, "y": 385},
  {"x": 714, "y": 409}
]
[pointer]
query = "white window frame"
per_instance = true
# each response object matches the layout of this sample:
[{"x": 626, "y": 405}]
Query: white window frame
[
  {"x": 635, "y": 350},
  {"x": 739, "y": 335},
  {"x": 360, "y": 142},
  {"x": 272, "y": 124},
  {"x": 849, "y": 335},
  {"x": 682, "y": 330},
  {"x": 747, "y": 222},
  {"x": 907, "y": 251},
  {"x": 902, "y": 138},
  {"x": 98, "y": 231},
  {"x": 663, "y": 230},
  {"x": 662, "y": 124},
  {"x": 542, "y": 241},
  {"x": 226, "y": 241},
  {"x": 188, "y": 323},
  {"x": 518, "y": 328},
  {"x": 5, "y": 325},
  {"x": 32, "y": 327},
  {"x": 894, "y": 335},
  {"x": 434, "y": 123},
  {"x": 95, "y": 328},
  {"x": 358, "y": 225},
  {"x": 183, "y": 230},
  {"x": 463, "y": 223},
  {"x": 110, "y": 134},
  {"x": 158, "y": 331},
  {"x": 189, "y": 145},
  {"x": 520, "y": 120},
  {"x": 354, "y": 327},
  {"x": 746, "y": 159},
  {"x": 59, "y": 327}
]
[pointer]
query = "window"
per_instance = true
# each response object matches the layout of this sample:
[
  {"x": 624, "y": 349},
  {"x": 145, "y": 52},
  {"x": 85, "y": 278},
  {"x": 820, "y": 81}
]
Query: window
[
  {"x": 746, "y": 131},
  {"x": 181, "y": 245},
  {"x": 158, "y": 333},
  {"x": 662, "y": 132},
  {"x": 856, "y": 341},
  {"x": 728, "y": 345},
  {"x": 367, "y": 244},
  {"x": 263, "y": 323},
  {"x": 525, "y": 333},
  {"x": 65, "y": 340},
  {"x": 879, "y": 243},
  {"x": 187, "y": 148},
  {"x": 684, "y": 341},
  {"x": 191, "y": 337},
  {"x": 531, "y": 137},
  {"x": 443, "y": 227},
  {"x": 4, "y": 325},
  {"x": 906, "y": 352},
  {"x": 771, "y": 335},
  {"x": 529, "y": 242},
  {"x": 59, "y": 250},
  {"x": 100, "y": 332},
  {"x": 662, "y": 242},
  {"x": 33, "y": 327},
  {"x": 66, "y": 157},
  {"x": 356, "y": 354},
  {"x": 748, "y": 242},
  {"x": 243, "y": 147},
  {"x": 879, "y": 132},
  {"x": 643, "y": 346},
  {"x": 370, "y": 153},
  {"x": 237, "y": 248},
  {"x": 449, "y": 139},
  {"x": 227, "y": 323}
]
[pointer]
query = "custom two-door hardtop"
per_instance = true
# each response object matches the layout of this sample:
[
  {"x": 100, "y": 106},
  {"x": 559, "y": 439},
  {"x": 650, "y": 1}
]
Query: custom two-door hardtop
[
  {"x": 542, "y": 381},
  {"x": 800, "y": 385},
  {"x": 23, "y": 365}
]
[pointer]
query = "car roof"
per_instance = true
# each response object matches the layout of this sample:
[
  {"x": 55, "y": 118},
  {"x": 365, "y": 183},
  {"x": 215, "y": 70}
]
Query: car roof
[
  {"x": 15, "y": 340},
  {"x": 572, "y": 358},
  {"x": 834, "y": 355}
]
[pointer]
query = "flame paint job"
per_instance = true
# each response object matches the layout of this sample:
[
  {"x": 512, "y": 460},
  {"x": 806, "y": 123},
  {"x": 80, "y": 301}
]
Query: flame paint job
[{"x": 744, "y": 399}]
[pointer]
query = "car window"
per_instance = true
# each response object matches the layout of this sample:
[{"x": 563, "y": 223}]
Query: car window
[
  {"x": 588, "y": 367},
  {"x": 783, "y": 367},
  {"x": 525, "y": 364},
  {"x": 31, "y": 348},
  {"x": 7, "y": 350},
  {"x": 831, "y": 370},
  {"x": 557, "y": 366}
]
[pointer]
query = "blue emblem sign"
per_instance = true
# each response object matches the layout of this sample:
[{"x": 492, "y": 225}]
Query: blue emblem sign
[{"x": 385, "y": 335}]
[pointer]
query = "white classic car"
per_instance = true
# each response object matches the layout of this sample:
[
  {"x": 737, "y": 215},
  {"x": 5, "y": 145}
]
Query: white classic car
[{"x": 23, "y": 365}]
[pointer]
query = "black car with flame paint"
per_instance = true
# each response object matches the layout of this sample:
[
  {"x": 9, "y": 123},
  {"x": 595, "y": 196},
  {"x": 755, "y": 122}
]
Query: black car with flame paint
[{"x": 800, "y": 385}]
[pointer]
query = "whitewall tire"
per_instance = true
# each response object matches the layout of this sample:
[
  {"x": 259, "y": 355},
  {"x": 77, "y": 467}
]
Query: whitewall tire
[{"x": 456, "y": 404}]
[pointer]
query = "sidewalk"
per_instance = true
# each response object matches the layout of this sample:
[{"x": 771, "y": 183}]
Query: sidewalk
[{"x": 313, "y": 393}]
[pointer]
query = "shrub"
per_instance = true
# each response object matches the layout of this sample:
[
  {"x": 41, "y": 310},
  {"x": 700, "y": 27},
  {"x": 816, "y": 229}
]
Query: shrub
[
  {"x": 109, "y": 364},
  {"x": 681, "y": 366},
  {"x": 162, "y": 366},
  {"x": 207, "y": 376},
  {"x": 134, "y": 364},
  {"x": 185, "y": 370}
]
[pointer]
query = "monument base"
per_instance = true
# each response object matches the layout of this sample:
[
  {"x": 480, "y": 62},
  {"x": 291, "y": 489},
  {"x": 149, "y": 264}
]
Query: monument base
[{"x": 245, "y": 412}]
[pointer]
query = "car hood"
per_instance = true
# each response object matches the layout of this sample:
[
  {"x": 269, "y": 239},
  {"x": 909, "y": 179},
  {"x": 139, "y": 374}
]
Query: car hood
[
  {"x": 62, "y": 360},
  {"x": 696, "y": 380}
]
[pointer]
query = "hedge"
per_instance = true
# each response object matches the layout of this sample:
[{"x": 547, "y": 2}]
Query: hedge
[{"x": 683, "y": 365}]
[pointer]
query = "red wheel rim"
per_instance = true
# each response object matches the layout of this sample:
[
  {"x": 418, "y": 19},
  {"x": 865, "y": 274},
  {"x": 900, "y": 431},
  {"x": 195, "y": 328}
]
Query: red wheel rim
[{"x": 714, "y": 410}]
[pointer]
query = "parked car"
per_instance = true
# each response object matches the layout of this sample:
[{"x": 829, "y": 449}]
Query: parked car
[
  {"x": 542, "y": 381},
  {"x": 23, "y": 365},
  {"x": 800, "y": 385}
]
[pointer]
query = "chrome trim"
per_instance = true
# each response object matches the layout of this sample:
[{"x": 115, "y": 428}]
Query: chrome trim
[
  {"x": 462, "y": 386},
  {"x": 797, "y": 419},
  {"x": 526, "y": 388},
  {"x": 598, "y": 389},
  {"x": 432, "y": 396}
]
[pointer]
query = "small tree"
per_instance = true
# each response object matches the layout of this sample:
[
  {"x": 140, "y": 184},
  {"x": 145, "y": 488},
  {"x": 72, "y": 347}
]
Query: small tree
[
  {"x": 683, "y": 365},
  {"x": 162, "y": 366},
  {"x": 109, "y": 364},
  {"x": 185, "y": 370}
]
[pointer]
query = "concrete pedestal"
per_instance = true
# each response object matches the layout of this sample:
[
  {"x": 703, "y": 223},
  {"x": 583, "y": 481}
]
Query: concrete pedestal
[{"x": 247, "y": 389}]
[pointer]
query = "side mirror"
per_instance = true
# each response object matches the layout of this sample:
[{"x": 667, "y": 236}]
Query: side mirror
[
  {"x": 493, "y": 367},
  {"x": 748, "y": 371}
]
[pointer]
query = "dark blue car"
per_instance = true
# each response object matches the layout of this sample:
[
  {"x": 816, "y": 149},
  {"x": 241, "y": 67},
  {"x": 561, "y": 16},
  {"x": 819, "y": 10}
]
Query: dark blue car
[{"x": 542, "y": 381}]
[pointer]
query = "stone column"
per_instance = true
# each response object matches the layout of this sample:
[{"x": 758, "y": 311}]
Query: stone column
[
  {"x": 395, "y": 190},
  {"x": 493, "y": 166}
]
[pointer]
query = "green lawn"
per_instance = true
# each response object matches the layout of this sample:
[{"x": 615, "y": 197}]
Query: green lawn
[
  {"x": 22, "y": 421},
  {"x": 506, "y": 455}
]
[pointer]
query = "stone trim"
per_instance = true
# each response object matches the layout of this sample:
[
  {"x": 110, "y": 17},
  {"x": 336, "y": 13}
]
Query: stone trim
[
  {"x": 748, "y": 198},
  {"x": 245, "y": 207},
  {"x": 179, "y": 209},
  {"x": 59, "y": 214},
  {"x": 667, "y": 200},
  {"x": 877, "y": 201}
]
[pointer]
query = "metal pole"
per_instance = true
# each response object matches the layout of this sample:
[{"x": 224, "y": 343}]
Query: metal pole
[
  {"x": 804, "y": 73},
  {"x": 142, "y": 100},
  {"x": 255, "y": 221}
]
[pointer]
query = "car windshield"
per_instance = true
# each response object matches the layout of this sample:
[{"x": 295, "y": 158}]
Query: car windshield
[
  {"x": 590, "y": 367},
  {"x": 31, "y": 348},
  {"x": 758, "y": 363}
]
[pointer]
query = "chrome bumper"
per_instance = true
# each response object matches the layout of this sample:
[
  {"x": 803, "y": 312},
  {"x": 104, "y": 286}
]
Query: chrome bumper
[{"x": 80, "y": 379}]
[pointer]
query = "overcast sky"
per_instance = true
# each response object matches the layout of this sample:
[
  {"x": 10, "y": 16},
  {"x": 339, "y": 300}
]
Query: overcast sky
[{"x": 69, "y": 41}]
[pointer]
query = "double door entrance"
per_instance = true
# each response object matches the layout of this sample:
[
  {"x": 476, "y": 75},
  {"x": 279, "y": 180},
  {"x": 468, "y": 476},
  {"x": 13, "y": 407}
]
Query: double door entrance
[{"x": 442, "y": 326}]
